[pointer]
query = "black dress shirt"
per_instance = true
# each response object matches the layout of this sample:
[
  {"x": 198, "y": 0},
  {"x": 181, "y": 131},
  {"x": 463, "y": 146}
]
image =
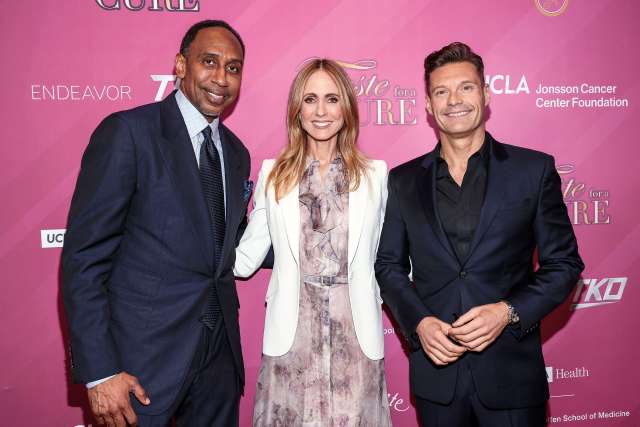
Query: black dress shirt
[{"x": 459, "y": 207}]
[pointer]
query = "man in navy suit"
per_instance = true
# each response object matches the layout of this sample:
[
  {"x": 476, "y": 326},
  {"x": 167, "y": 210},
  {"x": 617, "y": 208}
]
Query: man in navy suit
[
  {"x": 147, "y": 277},
  {"x": 467, "y": 218}
]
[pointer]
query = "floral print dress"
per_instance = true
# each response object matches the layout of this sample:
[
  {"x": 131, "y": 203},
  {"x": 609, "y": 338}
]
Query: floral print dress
[{"x": 324, "y": 379}]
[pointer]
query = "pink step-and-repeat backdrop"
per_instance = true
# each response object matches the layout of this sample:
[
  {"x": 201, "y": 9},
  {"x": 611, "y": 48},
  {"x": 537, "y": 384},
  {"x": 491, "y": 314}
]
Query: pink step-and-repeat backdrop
[{"x": 564, "y": 78}]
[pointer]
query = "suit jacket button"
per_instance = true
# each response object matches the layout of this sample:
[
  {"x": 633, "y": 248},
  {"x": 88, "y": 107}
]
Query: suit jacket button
[{"x": 463, "y": 274}]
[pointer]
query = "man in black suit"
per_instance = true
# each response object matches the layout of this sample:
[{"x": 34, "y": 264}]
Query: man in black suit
[
  {"x": 468, "y": 218},
  {"x": 147, "y": 277}
]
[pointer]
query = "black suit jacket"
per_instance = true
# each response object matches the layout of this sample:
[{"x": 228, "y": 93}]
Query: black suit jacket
[
  {"x": 523, "y": 211},
  {"x": 138, "y": 259}
]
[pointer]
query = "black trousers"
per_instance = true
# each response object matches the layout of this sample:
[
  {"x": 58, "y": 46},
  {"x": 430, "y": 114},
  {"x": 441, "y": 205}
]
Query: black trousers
[
  {"x": 466, "y": 410},
  {"x": 210, "y": 395}
]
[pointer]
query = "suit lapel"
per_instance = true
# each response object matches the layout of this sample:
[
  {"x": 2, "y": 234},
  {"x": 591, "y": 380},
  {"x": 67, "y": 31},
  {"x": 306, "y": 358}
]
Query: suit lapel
[
  {"x": 357, "y": 200},
  {"x": 496, "y": 177},
  {"x": 232, "y": 184},
  {"x": 290, "y": 208},
  {"x": 177, "y": 151},
  {"x": 427, "y": 188}
]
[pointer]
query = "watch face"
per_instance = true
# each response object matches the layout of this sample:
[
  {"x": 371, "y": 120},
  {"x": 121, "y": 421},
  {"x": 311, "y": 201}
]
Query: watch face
[{"x": 513, "y": 316}]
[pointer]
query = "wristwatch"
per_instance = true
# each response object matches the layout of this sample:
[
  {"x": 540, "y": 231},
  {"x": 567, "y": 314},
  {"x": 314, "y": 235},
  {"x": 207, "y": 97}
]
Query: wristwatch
[{"x": 512, "y": 316}]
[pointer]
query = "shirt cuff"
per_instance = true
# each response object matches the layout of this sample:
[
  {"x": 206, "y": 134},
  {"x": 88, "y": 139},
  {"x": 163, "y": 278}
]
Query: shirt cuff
[{"x": 100, "y": 381}]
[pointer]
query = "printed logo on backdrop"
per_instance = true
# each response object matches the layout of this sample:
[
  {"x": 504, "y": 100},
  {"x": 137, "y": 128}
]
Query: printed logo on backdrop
[
  {"x": 596, "y": 292},
  {"x": 163, "y": 81},
  {"x": 151, "y": 5},
  {"x": 380, "y": 101},
  {"x": 507, "y": 84},
  {"x": 574, "y": 375},
  {"x": 604, "y": 414},
  {"x": 551, "y": 7},
  {"x": 398, "y": 403},
  {"x": 564, "y": 374},
  {"x": 66, "y": 92},
  {"x": 389, "y": 331},
  {"x": 581, "y": 95},
  {"x": 586, "y": 205},
  {"x": 52, "y": 238}
]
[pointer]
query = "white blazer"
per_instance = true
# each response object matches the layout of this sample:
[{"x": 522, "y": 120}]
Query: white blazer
[{"x": 278, "y": 225}]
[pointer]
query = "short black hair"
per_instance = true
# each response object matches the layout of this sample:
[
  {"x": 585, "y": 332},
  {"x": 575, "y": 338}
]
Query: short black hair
[
  {"x": 454, "y": 52},
  {"x": 192, "y": 32}
]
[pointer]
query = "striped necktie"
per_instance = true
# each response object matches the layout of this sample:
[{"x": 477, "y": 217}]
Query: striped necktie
[{"x": 211, "y": 179}]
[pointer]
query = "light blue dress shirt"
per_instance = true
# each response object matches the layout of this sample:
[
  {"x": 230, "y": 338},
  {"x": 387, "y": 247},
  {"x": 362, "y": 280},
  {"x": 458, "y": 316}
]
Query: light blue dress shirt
[{"x": 196, "y": 122}]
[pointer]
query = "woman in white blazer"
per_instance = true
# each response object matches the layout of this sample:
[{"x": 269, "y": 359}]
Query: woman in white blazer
[{"x": 320, "y": 204}]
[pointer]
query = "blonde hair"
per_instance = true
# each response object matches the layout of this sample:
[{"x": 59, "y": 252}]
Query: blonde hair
[{"x": 290, "y": 164}]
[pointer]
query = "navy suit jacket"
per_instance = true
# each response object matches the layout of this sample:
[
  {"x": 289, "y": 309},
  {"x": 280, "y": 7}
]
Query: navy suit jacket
[
  {"x": 523, "y": 211},
  {"x": 138, "y": 259}
]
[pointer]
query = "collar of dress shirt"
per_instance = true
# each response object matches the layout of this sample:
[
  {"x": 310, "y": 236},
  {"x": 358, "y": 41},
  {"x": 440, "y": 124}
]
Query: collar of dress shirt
[
  {"x": 193, "y": 119},
  {"x": 442, "y": 168}
]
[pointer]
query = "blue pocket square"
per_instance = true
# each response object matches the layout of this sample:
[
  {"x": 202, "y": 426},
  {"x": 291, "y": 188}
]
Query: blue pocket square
[{"x": 247, "y": 189}]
